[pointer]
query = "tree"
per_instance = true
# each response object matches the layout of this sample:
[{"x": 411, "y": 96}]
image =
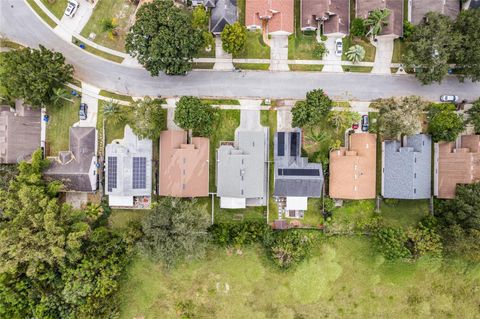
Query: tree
[
  {"x": 357, "y": 27},
  {"x": 200, "y": 17},
  {"x": 432, "y": 44},
  {"x": 391, "y": 242},
  {"x": 176, "y": 230},
  {"x": 422, "y": 241},
  {"x": 311, "y": 111},
  {"x": 234, "y": 37},
  {"x": 163, "y": 38},
  {"x": 467, "y": 54},
  {"x": 474, "y": 116},
  {"x": 193, "y": 115},
  {"x": 343, "y": 120},
  {"x": 60, "y": 95},
  {"x": 444, "y": 124},
  {"x": 33, "y": 75},
  {"x": 288, "y": 248},
  {"x": 320, "y": 50},
  {"x": 356, "y": 53},
  {"x": 149, "y": 119},
  {"x": 110, "y": 26},
  {"x": 399, "y": 116},
  {"x": 375, "y": 21},
  {"x": 113, "y": 113},
  {"x": 408, "y": 29}
]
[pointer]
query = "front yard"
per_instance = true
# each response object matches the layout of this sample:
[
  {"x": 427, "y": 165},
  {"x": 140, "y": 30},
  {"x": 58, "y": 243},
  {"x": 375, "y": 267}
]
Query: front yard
[
  {"x": 255, "y": 48},
  {"x": 399, "y": 49},
  {"x": 121, "y": 13},
  {"x": 302, "y": 46},
  {"x": 57, "y": 7},
  {"x": 351, "y": 41},
  {"x": 61, "y": 118}
]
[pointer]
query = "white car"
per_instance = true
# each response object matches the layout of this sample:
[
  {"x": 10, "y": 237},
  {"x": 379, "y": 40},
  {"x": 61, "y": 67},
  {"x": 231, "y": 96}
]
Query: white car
[
  {"x": 338, "y": 47},
  {"x": 72, "y": 7},
  {"x": 449, "y": 98}
]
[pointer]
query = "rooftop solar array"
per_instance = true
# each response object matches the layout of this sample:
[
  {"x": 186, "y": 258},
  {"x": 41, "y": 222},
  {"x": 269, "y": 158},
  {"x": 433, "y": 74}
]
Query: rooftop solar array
[
  {"x": 281, "y": 143},
  {"x": 298, "y": 172},
  {"x": 294, "y": 140},
  {"x": 139, "y": 172},
  {"x": 112, "y": 172}
]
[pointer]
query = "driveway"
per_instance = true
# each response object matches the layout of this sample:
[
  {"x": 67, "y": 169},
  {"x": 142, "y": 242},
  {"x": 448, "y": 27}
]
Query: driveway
[
  {"x": 80, "y": 19},
  {"x": 250, "y": 120},
  {"x": 88, "y": 92},
  {"x": 383, "y": 55},
  {"x": 279, "y": 53},
  {"x": 220, "y": 54},
  {"x": 331, "y": 56},
  {"x": 284, "y": 119}
]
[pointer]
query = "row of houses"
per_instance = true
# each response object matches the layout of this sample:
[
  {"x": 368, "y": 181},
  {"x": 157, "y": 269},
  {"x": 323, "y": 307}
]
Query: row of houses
[{"x": 332, "y": 17}]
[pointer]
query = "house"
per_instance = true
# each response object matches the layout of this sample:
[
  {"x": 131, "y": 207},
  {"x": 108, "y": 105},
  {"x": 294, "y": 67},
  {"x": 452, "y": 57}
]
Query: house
[
  {"x": 456, "y": 163},
  {"x": 275, "y": 17},
  {"x": 77, "y": 167},
  {"x": 406, "y": 167},
  {"x": 128, "y": 169},
  {"x": 183, "y": 166},
  {"x": 20, "y": 132},
  {"x": 474, "y": 4},
  {"x": 295, "y": 178},
  {"x": 395, "y": 19},
  {"x": 222, "y": 13},
  {"x": 332, "y": 16},
  {"x": 353, "y": 168},
  {"x": 419, "y": 8},
  {"x": 242, "y": 169}
]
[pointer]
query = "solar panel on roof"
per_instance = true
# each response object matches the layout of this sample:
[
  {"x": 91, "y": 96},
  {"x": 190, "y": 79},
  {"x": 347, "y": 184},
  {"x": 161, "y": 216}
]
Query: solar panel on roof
[
  {"x": 294, "y": 136},
  {"x": 112, "y": 173},
  {"x": 139, "y": 172},
  {"x": 281, "y": 143},
  {"x": 298, "y": 172}
]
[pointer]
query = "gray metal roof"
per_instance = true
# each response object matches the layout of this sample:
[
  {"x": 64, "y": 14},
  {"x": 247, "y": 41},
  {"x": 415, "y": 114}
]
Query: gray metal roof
[
  {"x": 241, "y": 169},
  {"x": 125, "y": 150},
  {"x": 406, "y": 172},
  {"x": 224, "y": 12},
  {"x": 297, "y": 184},
  {"x": 73, "y": 167}
]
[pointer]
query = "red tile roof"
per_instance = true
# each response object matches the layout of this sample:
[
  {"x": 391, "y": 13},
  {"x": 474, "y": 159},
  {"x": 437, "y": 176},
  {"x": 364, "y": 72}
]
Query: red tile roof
[{"x": 275, "y": 15}]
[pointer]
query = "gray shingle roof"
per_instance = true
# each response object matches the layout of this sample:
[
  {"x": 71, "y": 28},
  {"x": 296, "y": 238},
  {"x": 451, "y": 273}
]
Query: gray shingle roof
[
  {"x": 407, "y": 170},
  {"x": 224, "y": 12},
  {"x": 295, "y": 185}
]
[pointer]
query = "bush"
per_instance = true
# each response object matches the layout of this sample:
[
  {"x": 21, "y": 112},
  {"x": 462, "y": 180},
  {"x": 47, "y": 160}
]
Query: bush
[
  {"x": 239, "y": 234},
  {"x": 320, "y": 50},
  {"x": 391, "y": 242},
  {"x": 357, "y": 28},
  {"x": 288, "y": 248}
]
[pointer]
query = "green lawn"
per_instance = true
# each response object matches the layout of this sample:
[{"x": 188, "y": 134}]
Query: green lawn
[
  {"x": 221, "y": 101},
  {"x": 252, "y": 66},
  {"x": 302, "y": 46},
  {"x": 57, "y": 7},
  {"x": 241, "y": 11},
  {"x": 206, "y": 54},
  {"x": 254, "y": 47},
  {"x": 405, "y": 213},
  {"x": 95, "y": 51},
  {"x": 399, "y": 49},
  {"x": 237, "y": 215},
  {"x": 345, "y": 278},
  {"x": 357, "y": 68},
  {"x": 319, "y": 139},
  {"x": 306, "y": 67},
  {"x": 116, "y": 96},
  {"x": 61, "y": 118},
  {"x": 41, "y": 13},
  {"x": 120, "y": 218},
  {"x": 121, "y": 12},
  {"x": 202, "y": 65},
  {"x": 369, "y": 48}
]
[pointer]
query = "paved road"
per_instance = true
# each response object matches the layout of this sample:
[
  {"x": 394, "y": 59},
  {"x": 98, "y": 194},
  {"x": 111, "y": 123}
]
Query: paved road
[{"x": 20, "y": 23}]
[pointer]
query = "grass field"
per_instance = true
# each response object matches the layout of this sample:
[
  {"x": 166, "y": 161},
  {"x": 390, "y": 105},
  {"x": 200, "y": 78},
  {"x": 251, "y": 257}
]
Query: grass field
[
  {"x": 57, "y": 7},
  {"x": 254, "y": 47},
  {"x": 302, "y": 46},
  {"x": 399, "y": 49},
  {"x": 306, "y": 67},
  {"x": 369, "y": 48},
  {"x": 202, "y": 65},
  {"x": 41, "y": 13},
  {"x": 357, "y": 68},
  {"x": 100, "y": 53},
  {"x": 121, "y": 12},
  {"x": 345, "y": 278},
  {"x": 252, "y": 66},
  {"x": 120, "y": 218},
  {"x": 60, "y": 120}
]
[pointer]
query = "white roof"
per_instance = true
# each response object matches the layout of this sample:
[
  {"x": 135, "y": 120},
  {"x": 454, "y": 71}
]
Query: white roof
[
  {"x": 232, "y": 202},
  {"x": 297, "y": 203},
  {"x": 122, "y": 201}
]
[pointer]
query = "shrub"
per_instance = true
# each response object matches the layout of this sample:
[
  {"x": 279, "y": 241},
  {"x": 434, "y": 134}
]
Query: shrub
[
  {"x": 357, "y": 27},
  {"x": 239, "y": 234},
  {"x": 391, "y": 242},
  {"x": 288, "y": 248}
]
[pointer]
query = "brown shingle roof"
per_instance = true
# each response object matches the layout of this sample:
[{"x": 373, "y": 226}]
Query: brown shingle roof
[
  {"x": 420, "y": 8},
  {"x": 395, "y": 20},
  {"x": 352, "y": 171},
  {"x": 183, "y": 167},
  {"x": 458, "y": 165},
  {"x": 334, "y": 13},
  {"x": 275, "y": 15}
]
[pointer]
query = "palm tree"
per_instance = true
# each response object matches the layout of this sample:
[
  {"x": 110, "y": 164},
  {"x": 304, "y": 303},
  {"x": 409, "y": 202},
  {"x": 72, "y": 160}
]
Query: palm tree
[
  {"x": 113, "y": 113},
  {"x": 110, "y": 26},
  {"x": 59, "y": 95},
  {"x": 315, "y": 138},
  {"x": 376, "y": 21},
  {"x": 356, "y": 53}
]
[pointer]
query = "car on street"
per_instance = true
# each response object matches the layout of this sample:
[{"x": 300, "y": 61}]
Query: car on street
[
  {"x": 83, "y": 111},
  {"x": 365, "y": 124},
  {"x": 72, "y": 7},
  {"x": 338, "y": 47},
  {"x": 449, "y": 98}
]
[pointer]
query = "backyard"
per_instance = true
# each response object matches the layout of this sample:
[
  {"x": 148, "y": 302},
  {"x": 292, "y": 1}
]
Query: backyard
[
  {"x": 120, "y": 13},
  {"x": 345, "y": 278}
]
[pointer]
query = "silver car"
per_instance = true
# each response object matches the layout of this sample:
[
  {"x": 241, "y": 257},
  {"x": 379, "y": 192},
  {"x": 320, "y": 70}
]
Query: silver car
[
  {"x": 72, "y": 7},
  {"x": 449, "y": 98},
  {"x": 338, "y": 47}
]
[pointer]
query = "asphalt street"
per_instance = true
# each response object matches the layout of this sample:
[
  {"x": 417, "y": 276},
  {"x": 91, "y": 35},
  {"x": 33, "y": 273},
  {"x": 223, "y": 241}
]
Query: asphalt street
[{"x": 19, "y": 23}]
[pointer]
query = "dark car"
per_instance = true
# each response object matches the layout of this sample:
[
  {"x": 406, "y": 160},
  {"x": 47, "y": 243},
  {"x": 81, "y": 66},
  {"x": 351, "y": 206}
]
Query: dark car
[
  {"x": 365, "y": 123},
  {"x": 83, "y": 111}
]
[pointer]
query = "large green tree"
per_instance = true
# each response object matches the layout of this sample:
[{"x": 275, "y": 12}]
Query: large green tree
[
  {"x": 163, "y": 38},
  {"x": 234, "y": 37},
  {"x": 444, "y": 124},
  {"x": 176, "y": 230},
  {"x": 148, "y": 118},
  {"x": 194, "y": 115},
  {"x": 467, "y": 55},
  {"x": 474, "y": 116},
  {"x": 34, "y": 74},
  {"x": 399, "y": 115},
  {"x": 430, "y": 48},
  {"x": 311, "y": 111}
]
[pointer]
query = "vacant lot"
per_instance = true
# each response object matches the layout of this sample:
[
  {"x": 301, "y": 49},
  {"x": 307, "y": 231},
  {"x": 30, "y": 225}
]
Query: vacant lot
[{"x": 345, "y": 278}]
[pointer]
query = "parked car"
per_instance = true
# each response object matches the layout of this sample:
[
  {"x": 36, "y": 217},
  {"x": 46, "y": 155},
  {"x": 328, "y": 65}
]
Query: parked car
[
  {"x": 355, "y": 126},
  {"x": 365, "y": 123},
  {"x": 83, "y": 111},
  {"x": 72, "y": 7},
  {"x": 449, "y": 98},
  {"x": 338, "y": 47}
]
